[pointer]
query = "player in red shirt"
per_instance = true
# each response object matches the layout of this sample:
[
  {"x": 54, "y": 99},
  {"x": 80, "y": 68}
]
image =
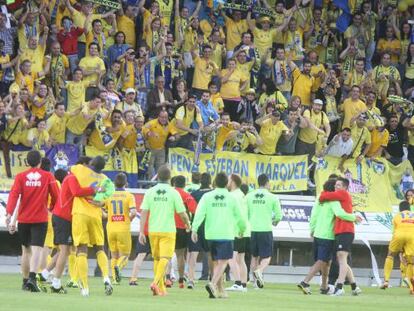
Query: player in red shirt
[
  {"x": 62, "y": 222},
  {"x": 33, "y": 187},
  {"x": 344, "y": 236}
]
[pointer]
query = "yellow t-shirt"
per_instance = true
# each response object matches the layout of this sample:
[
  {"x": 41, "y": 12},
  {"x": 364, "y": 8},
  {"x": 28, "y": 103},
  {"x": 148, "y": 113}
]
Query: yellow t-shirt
[
  {"x": 354, "y": 78},
  {"x": 234, "y": 32},
  {"x": 128, "y": 74},
  {"x": 91, "y": 63},
  {"x": 270, "y": 134},
  {"x": 303, "y": 85},
  {"x": 315, "y": 69},
  {"x": 231, "y": 88},
  {"x": 39, "y": 137},
  {"x": 76, "y": 94},
  {"x": 166, "y": 9},
  {"x": 384, "y": 44},
  {"x": 217, "y": 102},
  {"x": 309, "y": 135},
  {"x": 95, "y": 139},
  {"x": 35, "y": 56},
  {"x": 203, "y": 73},
  {"x": 187, "y": 117},
  {"x": 378, "y": 139},
  {"x": 127, "y": 26},
  {"x": 86, "y": 178},
  {"x": 217, "y": 54},
  {"x": 157, "y": 142},
  {"x": 19, "y": 135},
  {"x": 56, "y": 126},
  {"x": 246, "y": 69},
  {"x": 240, "y": 142},
  {"x": 360, "y": 137},
  {"x": 293, "y": 42},
  {"x": 373, "y": 114},
  {"x": 263, "y": 40},
  {"x": 3, "y": 60},
  {"x": 79, "y": 21},
  {"x": 118, "y": 207},
  {"x": 77, "y": 124},
  {"x": 351, "y": 109},
  {"x": 100, "y": 39},
  {"x": 26, "y": 81},
  {"x": 37, "y": 111},
  {"x": 222, "y": 134},
  {"x": 403, "y": 223},
  {"x": 207, "y": 29}
]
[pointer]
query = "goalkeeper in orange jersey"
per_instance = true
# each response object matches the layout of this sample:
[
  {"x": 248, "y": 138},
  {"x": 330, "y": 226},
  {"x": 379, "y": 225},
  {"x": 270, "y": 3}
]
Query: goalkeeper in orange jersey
[
  {"x": 121, "y": 209},
  {"x": 402, "y": 239}
]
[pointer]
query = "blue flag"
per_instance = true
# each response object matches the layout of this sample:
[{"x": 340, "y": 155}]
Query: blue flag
[
  {"x": 345, "y": 19},
  {"x": 63, "y": 156}
]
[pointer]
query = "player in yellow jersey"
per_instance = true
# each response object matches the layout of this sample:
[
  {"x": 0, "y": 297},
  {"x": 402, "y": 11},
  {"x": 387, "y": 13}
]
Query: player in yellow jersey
[
  {"x": 402, "y": 240},
  {"x": 121, "y": 209},
  {"x": 87, "y": 229}
]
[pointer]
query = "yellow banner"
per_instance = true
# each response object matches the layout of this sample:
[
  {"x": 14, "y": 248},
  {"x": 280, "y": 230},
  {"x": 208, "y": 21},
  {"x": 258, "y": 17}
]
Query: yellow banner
[
  {"x": 369, "y": 185},
  {"x": 18, "y": 162},
  {"x": 286, "y": 173},
  {"x": 401, "y": 179}
]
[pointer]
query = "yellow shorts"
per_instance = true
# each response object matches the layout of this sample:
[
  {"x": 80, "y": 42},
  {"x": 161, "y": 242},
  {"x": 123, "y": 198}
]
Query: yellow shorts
[
  {"x": 402, "y": 242},
  {"x": 87, "y": 230},
  {"x": 49, "y": 235},
  {"x": 120, "y": 242},
  {"x": 162, "y": 244}
]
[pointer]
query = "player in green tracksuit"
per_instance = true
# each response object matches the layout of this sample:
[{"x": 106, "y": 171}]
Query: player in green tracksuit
[
  {"x": 241, "y": 244},
  {"x": 221, "y": 214},
  {"x": 263, "y": 209},
  {"x": 321, "y": 224}
]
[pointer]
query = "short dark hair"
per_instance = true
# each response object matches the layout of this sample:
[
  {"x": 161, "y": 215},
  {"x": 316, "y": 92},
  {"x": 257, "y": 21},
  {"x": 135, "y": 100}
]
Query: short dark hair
[
  {"x": 96, "y": 21},
  {"x": 59, "y": 104},
  {"x": 329, "y": 185},
  {"x": 344, "y": 181},
  {"x": 333, "y": 176},
  {"x": 195, "y": 177},
  {"x": 236, "y": 179},
  {"x": 96, "y": 44},
  {"x": 84, "y": 160},
  {"x": 60, "y": 175},
  {"x": 205, "y": 180},
  {"x": 404, "y": 206},
  {"x": 179, "y": 181},
  {"x": 33, "y": 158},
  {"x": 244, "y": 188},
  {"x": 262, "y": 180},
  {"x": 45, "y": 164},
  {"x": 98, "y": 163},
  {"x": 120, "y": 180},
  {"x": 164, "y": 173},
  {"x": 346, "y": 129},
  {"x": 221, "y": 180}
]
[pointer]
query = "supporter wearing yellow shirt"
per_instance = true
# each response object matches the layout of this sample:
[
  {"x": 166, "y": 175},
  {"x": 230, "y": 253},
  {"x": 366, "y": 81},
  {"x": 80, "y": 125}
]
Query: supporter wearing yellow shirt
[
  {"x": 352, "y": 106},
  {"x": 28, "y": 27},
  {"x": 318, "y": 71},
  {"x": 38, "y": 106},
  {"x": 235, "y": 27},
  {"x": 121, "y": 209},
  {"x": 17, "y": 126},
  {"x": 357, "y": 34},
  {"x": 76, "y": 91},
  {"x": 379, "y": 140},
  {"x": 318, "y": 124},
  {"x": 35, "y": 54},
  {"x": 128, "y": 139},
  {"x": 215, "y": 97},
  {"x": 38, "y": 137},
  {"x": 126, "y": 24},
  {"x": 373, "y": 113},
  {"x": 242, "y": 138},
  {"x": 271, "y": 129},
  {"x": 355, "y": 76},
  {"x": 390, "y": 45},
  {"x": 244, "y": 66},
  {"x": 77, "y": 124},
  {"x": 223, "y": 131},
  {"x": 233, "y": 81},
  {"x": 56, "y": 124},
  {"x": 25, "y": 78},
  {"x": 361, "y": 137},
  {"x": 383, "y": 74},
  {"x": 218, "y": 49},
  {"x": 204, "y": 69},
  {"x": 293, "y": 41},
  {"x": 114, "y": 127},
  {"x": 303, "y": 83},
  {"x": 95, "y": 33},
  {"x": 93, "y": 66}
]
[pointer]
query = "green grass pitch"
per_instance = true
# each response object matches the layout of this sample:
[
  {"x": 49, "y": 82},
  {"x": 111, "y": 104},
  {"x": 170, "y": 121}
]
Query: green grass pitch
[{"x": 272, "y": 297}]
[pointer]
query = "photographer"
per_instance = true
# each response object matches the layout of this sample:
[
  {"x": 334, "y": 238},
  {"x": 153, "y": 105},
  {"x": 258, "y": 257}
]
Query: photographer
[
  {"x": 294, "y": 121},
  {"x": 271, "y": 129},
  {"x": 243, "y": 139}
]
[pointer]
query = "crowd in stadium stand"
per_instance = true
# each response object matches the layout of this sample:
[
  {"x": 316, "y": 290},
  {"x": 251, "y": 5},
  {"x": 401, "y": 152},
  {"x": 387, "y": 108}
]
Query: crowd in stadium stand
[{"x": 152, "y": 75}]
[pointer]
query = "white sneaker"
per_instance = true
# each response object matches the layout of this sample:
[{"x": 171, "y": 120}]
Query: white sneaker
[
  {"x": 311, "y": 184},
  {"x": 85, "y": 292},
  {"x": 331, "y": 289},
  {"x": 339, "y": 292},
  {"x": 356, "y": 291},
  {"x": 235, "y": 288},
  {"x": 259, "y": 278}
]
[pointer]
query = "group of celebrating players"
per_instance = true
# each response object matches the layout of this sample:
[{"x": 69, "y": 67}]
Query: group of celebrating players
[{"x": 227, "y": 220}]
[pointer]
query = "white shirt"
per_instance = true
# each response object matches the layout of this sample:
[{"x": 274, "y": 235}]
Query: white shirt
[{"x": 340, "y": 147}]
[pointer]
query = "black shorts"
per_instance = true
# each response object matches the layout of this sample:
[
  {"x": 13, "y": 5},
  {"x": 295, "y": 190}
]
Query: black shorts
[
  {"x": 32, "y": 234},
  {"x": 221, "y": 249},
  {"x": 343, "y": 242},
  {"x": 62, "y": 231},
  {"x": 323, "y": 249},
  {"x": 143, "y": 249},
  {"x": 181, "y": 239},
  {"x": 261, "y": 244},
  {"x": 242, "y": 245},
  {"x": 202, "y": 239},
  {"x": 195, "y": 247}
]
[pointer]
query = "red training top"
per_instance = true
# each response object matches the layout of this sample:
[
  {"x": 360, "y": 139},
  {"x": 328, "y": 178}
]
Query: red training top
[
  {"x": 70, "y": 190},
  {"x": 343, "y": 196},
  {"x": 69, "y": 40},
  {"x": 190, "y": 205},
  {"x": 33, "y": 187}
]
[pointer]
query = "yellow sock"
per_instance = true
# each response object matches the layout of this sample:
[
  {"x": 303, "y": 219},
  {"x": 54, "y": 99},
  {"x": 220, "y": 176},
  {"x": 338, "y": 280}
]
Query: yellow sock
[
  {"x": 82, "y": 269},
  {"x": 114, "y": 263},
  {"x": 122, "y": 262},
  {"x": 160, "y": 274},
  {"x": 409, "y": 274},
  {"x": 388, "y": 265},
  {"x": 72, "y": 267},
  {"x": 156, "y": 261},
  {"x": 102, "y": 263},
  {"x": 403, "y": 269}
]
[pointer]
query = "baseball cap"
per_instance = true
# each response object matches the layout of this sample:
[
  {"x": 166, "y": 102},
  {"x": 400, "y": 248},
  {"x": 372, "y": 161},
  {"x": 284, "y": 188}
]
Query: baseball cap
[
  {"x": 318, "y": 102},
  {"x": 251, "y": 91},
  {"x": 130, "y": 90}
]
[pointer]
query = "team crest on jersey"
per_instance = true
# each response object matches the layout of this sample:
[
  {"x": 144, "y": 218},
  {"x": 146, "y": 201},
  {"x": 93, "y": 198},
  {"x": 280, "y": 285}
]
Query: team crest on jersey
[
  {"x": 62, "y": 161},
  {"x": 33, "y": 179}
]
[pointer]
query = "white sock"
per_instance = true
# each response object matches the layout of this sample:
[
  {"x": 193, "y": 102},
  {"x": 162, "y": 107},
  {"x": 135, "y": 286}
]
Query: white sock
[
  {"x": 56, "y": 283},
  {"x": 107, "y": 280},
  {"x": 45, "y": 274}
]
